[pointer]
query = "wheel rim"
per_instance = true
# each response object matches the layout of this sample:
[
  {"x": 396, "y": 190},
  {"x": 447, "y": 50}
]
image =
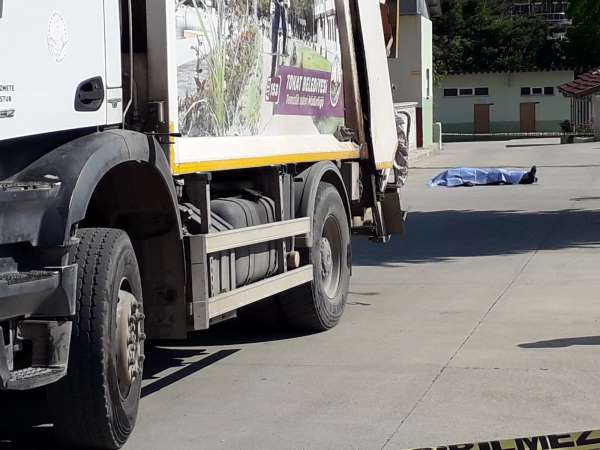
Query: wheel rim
[
  {"x": 330, "y": 255},
  {"x": 130, "y": 339}
]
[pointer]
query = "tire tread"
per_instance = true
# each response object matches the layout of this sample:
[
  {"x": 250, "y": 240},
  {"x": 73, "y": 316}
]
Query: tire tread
[
  {"x": 86, "y": 379},
  {"x": 300, "y": 307}
]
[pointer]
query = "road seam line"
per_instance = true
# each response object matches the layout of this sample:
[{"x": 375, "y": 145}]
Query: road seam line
[{"x": 460, "y": 347}]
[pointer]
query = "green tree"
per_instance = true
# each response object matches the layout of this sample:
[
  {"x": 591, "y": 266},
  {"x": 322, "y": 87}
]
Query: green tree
[
  {"x": 583, "y": 43},
  {"x": 481, "y": 35}
]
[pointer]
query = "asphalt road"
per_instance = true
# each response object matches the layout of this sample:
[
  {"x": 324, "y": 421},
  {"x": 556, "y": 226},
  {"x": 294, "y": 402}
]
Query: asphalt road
[{"x": 481, "y": 323}]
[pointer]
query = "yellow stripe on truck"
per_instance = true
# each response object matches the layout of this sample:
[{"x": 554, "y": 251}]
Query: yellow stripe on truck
[
  {"x": 385, "y": 165},
  {"x": 172, "y": 129},
  {"x": 263, "y": 161},
  {"x": 584, "y": 440}
]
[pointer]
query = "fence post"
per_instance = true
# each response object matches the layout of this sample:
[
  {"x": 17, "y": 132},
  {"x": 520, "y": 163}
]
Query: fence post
[
  {"x": 596, "y": 116},
  {"x": 437, "y": 135}
]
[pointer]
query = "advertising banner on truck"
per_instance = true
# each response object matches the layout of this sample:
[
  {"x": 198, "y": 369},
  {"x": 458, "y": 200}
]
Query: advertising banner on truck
[{"x": 258, "y": 68}]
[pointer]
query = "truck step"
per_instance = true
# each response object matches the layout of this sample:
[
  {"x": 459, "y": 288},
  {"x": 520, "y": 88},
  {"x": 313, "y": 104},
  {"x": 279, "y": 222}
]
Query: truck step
[
  {"x": 363, "y": 230},
  {"x": 33, "y": 377},
  {"x": 26, "y": 186},
  {"x": 13, "y": 278},
  {"x": 24, "y": 293},
  {"x": 27, "y": 191}
]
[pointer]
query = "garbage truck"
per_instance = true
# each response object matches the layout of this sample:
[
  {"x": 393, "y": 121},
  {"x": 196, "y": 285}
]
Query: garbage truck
[{"x": 166, "y": 165}]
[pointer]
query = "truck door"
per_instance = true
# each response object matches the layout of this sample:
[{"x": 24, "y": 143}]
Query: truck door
[
  {"x": 53, "y": 66},
  {"x": 384, "y": 136},
  {"x": 114, "y": 80}
]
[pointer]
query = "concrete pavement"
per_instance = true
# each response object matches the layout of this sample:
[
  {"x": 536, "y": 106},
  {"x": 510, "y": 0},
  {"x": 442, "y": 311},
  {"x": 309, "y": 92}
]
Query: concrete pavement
[{"x": 482, "y": 323}]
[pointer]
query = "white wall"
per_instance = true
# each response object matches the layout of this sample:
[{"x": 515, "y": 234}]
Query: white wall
[
  {"x": 505, "y": 95},
  {"x": 412, "y": 71},
  {"x": 426, "y": 27},
  {"x": 405, "y": 71}
]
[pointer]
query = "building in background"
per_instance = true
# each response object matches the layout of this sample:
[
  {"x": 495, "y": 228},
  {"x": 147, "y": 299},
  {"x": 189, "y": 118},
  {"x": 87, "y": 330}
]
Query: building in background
[
  {"x": 327, "y": 32},
  {"x": 481, "y": 103},
  {"x": 552, "y": 11},
  {"x": 411, "y": 60},
  {"x": 596, "y": 115},
  {"x": 583, "y": 93}
]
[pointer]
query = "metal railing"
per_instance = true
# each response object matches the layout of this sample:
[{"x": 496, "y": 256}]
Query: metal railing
[
  {"x": 551, "y": 11},
  {"x": 538, "y": 134}
]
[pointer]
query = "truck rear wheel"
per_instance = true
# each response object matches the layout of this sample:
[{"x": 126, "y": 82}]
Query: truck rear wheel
[
  {"x": 319, "y": 306},
  {"x": 96, "y": 404}
]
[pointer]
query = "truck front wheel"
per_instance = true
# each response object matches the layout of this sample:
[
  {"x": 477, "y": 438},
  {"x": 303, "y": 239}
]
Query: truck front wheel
[
  {"x": 95, "y": 405},
  {"x": 318, "y": 306}
]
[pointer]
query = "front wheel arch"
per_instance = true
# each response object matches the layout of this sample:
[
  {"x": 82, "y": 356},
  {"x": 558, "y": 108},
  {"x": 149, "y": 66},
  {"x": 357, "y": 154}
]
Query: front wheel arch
[
  {"x": 306, "y": 187},
  {"x": 79, "y": 166}
]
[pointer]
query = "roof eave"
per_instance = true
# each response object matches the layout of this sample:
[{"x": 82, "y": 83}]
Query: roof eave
[{"x": 579, "y": 94}]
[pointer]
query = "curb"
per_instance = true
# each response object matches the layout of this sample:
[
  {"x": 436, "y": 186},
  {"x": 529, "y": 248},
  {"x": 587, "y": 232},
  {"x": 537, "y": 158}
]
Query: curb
[{"x": 418, "y": 155}]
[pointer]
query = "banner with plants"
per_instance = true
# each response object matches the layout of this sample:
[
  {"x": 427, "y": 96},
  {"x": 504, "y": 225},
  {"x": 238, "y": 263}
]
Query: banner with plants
[{"x": 258, "y": 67}]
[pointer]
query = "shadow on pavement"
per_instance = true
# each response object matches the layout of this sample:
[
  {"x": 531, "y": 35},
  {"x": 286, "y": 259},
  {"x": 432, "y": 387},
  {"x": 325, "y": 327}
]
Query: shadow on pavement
[
  {"x": 40, "y": 438},
  {"x": 584, "y": 199},
  {"x": 174, "y": 358},
  {"x": 563, "y": 342},
  {"x": 159, "y": 358},
  {"x": 28, "y": 426},
  {"x": 237, "y": 331},
  {"x": 24, "y": 419},
  {"x": 444, "y": 235},
  {"x": 513, "y": 166},
  {"x": 168, "y": 355},
  {"x": 549, "y": 144}
]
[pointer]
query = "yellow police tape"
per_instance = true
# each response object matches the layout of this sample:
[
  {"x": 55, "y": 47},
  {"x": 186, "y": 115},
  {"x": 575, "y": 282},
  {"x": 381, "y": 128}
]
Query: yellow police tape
[{"x": 584, "y": 440}]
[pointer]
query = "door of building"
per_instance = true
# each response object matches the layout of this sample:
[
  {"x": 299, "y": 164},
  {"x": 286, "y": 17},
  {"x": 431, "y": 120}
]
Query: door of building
[
  {"x": 528, "y": 118},
  {"x": 482, "y": 118}
]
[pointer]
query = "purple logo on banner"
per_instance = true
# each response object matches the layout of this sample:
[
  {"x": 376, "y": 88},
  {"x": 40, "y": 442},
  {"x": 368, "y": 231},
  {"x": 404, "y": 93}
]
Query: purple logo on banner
[
  {"x": 306, "y": 92},
  {"x": 273, "y": 89}
]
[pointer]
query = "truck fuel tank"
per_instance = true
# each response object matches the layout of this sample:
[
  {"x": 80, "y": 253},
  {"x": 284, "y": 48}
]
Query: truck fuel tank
[{"x": 258, "y": 261}]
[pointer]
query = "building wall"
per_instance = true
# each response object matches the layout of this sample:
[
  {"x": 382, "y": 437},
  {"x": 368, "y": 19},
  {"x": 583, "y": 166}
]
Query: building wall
[
  {"x": 405, "y": 70},
  {"x": 414, "y": 7},
  {"x": 427, "y": 79},
  {"x": 596, "y": 115},
  {"x": 457, "y": 113},
  {"x": 411, "y": 72}
]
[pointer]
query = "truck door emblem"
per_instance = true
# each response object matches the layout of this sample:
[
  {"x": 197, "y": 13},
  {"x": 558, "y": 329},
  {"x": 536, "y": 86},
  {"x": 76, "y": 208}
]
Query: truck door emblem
[
  {"x": 58, "y": 36},
  {"x": 7, "y": 113}
]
